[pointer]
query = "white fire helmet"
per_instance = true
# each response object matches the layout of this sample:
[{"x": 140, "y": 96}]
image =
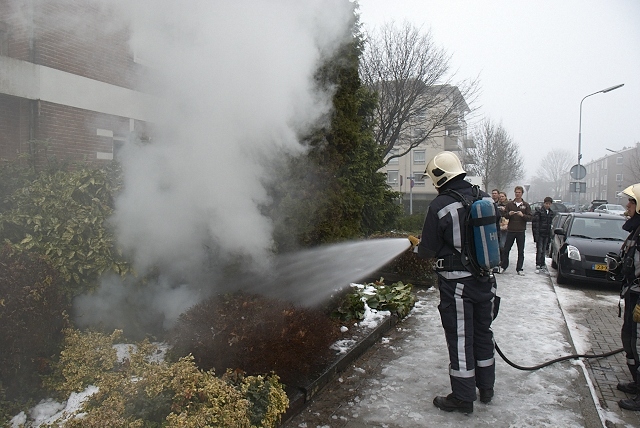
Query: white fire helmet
[
  {"x": 443, "y": 167},
  {"x": 633, "y": 192}
]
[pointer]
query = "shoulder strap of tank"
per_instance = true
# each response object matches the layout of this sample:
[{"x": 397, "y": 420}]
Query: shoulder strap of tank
[
  {"x": 457, "y": 195},
  {"x": 475, "y": 192}
]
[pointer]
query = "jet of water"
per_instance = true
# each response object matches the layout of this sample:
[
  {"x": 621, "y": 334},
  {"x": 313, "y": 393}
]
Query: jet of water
[{"x": 310, "y": 277}]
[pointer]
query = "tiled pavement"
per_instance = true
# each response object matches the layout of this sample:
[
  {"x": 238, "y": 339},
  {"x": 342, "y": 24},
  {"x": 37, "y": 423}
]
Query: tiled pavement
[{"x": 603, "y": 324}]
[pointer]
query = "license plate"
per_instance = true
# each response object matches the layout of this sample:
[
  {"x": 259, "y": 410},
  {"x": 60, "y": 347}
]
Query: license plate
[{"x": 600, "y": 266}]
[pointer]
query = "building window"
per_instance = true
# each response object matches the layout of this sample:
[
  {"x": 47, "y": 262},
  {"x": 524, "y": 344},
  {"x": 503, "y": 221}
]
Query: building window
[
  {"x": 618, "y": 177},
  {"x": 394, "y": 161},
  {"x": 604, "y": 179},
  {"x": 619, "y": 160},
  {"x": 418, "y": 178},
  {"x": 393, "y": 178},
  {"x": 604, "y": 164},
  {"x": 418, "y": 157}
]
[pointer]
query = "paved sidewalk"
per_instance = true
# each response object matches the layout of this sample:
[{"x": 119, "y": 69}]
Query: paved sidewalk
[
  {"x": 393, "y": 383},
  {"x": 599, "y": 323}
]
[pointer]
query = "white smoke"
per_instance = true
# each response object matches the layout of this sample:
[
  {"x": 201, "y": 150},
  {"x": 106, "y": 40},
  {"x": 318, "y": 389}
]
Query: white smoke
[
  {"x": 236, "y": 80},
  {"x": 236, "y": 87}
]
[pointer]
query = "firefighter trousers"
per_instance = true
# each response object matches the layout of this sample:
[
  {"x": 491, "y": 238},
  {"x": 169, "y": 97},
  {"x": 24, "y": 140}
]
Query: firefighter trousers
[
  {"x": 467, "y": 308},
  {"x": 630, "y": 335}
]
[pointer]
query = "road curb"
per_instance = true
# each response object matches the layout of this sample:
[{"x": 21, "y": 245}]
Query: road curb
[{"x": 299, "y": 399}]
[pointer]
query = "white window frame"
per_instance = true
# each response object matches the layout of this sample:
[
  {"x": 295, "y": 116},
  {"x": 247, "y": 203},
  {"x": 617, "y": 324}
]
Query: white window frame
[
  {"x": 619, "y": 160},
  {"x": 391, "y": 174},
  {"x": 419, "y": 157},
  {"x": 619, "y": 177},
  {"x": 418, "y": 178}
]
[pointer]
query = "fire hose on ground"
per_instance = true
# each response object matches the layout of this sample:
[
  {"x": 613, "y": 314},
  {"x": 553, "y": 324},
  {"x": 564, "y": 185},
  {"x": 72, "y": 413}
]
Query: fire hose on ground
[{"x": 557, "y": 360}]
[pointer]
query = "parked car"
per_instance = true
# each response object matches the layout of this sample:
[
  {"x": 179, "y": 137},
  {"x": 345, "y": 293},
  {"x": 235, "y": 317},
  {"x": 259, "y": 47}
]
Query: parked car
[
  {"x": 559, "y": 207},
  {"x": 535, "y": 206},
  {"x": 610, "y": 209},
  {"x": 557, "y": 222},
  {"x": 570, "y": 207},
  {"x": 579, "y": 247},
  {"x": 596, "y": 203}
]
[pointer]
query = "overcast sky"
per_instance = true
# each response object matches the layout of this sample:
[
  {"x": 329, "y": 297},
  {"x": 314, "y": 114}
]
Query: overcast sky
[{"x": 536, "y": 61}]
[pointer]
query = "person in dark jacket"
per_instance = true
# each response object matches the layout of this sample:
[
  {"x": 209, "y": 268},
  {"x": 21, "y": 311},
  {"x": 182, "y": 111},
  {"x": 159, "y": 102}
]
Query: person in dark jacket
[
  {"x": 541, "y": 225},
  {"x": 467, "y": 304},
  {"x": 518, "y": 212},
  {"x": 630, "y": 260}
]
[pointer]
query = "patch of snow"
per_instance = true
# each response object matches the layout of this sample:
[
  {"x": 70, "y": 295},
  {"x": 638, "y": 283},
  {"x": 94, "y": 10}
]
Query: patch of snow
[
  {"x": 342, "y": 346},
  {"x": 124, "y": 351},
  {"x": 49, "y": 411}
]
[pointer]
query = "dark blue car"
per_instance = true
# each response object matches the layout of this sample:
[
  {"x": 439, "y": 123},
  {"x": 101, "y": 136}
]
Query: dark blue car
[{"x": 579, "y": 247}]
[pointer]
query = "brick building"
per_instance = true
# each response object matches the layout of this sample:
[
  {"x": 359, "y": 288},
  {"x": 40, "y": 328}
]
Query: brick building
[{"x": 67, "y": 79}]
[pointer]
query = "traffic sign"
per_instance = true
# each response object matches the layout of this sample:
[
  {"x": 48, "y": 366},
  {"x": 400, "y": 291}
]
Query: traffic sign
[
  {"x": 578, "y": 172},
  {"x": 578, "y": 187}
]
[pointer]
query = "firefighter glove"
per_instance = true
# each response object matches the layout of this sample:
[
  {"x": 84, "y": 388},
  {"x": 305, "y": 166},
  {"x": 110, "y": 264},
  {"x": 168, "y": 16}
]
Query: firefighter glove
[{"x": 414, "y": 241}]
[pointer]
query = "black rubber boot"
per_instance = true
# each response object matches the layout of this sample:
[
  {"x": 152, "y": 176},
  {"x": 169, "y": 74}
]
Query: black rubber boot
[
  {"x": 452, "y": 404},
  {"x": 486, "y": 395},
  {"x": 630, "y": 403},
  {"x": 628, "y": 387}
]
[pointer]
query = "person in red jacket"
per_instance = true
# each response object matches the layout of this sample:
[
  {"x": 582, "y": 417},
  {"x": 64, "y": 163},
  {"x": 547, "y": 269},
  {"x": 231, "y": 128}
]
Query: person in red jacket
[{"x": 518, "y": 212}]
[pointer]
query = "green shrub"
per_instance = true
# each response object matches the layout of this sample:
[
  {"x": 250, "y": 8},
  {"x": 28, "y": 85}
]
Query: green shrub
[
  {"x": 61, "y": 214},
  {"x": 143, "y": 392},
  {"x": 13, "y": 176},
  {"x": 397, "y": 298},
  {"x": 33, "y": 314},
  {"x": 411, "y": 223}
]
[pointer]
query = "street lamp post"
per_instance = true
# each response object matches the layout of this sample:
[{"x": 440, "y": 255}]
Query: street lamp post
[{"x": 603, "y": 91}]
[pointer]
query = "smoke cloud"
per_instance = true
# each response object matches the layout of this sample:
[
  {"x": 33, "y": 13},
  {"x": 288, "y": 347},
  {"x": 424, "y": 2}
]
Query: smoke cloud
[
  {"x": 236, "y": 87},
  {"x": 236, "y": 83}
]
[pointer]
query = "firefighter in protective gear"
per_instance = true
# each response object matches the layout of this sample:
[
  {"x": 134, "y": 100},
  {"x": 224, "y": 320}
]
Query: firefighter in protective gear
[
  {"x": 444, "y": 167},
  {"x": 467, "y": 304},
  {"x": 630, "y": 259}
]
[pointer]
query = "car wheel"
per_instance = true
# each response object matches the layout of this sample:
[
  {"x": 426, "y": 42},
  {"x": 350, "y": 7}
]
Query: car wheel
[{"x": 560, "y": 278}]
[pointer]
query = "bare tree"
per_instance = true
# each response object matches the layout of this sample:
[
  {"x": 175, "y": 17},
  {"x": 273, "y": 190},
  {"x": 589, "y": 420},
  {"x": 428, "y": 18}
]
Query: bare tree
[
  {"x": 554, "y": 167},
  {"x": 496, "y": 158},
  {"x": 539, "y": 189},
  {"x": 633, "y": 167},
  {"x": 416, "y": 99}
]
